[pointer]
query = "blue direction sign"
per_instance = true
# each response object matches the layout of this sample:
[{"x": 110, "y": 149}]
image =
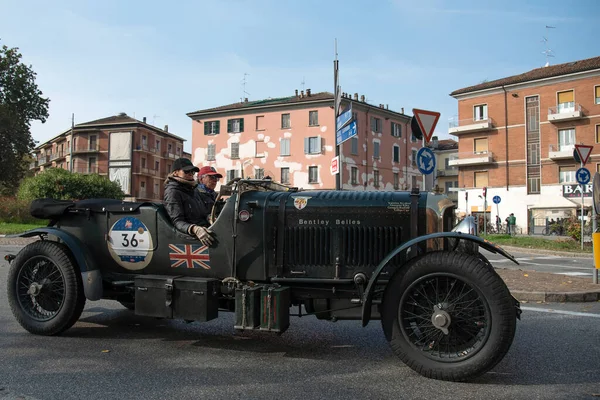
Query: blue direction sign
[
  {"x": 343, "y": 119},
  {"x": 425, "y": 161},
  {"x": 345, "y": 133},
  {"x": 496, "y": 199},
  {"x": 583, "y": 176}
]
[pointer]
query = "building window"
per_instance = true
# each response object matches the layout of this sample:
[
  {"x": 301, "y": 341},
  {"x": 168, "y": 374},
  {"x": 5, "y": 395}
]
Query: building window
[
  {"x": 480, "y": 145},
  {"x": 284, "y": 147},
  {"x": 170, "y": 148},
  {"x": 354, "y": 175},
  {"x": 375, "y": 125},
  {"x": 313, "y": 174},
  {"x": 157, "y": 145},
  {"x": 285, "y": 175},
  {"x": 566, "y": 139},
  {"x": 396, "y": 181},
  {"x": 156, "y": 190},
  {"x": 312, "y": 145},
  {"x": 157, "y": 165},
  {"x": 235, "y": 125},
  {"x": 447, "y": 187},
  {"x": 313, "y": 118},
  {"x": 93, "y": 142},
  {"x": 396, "y": 130},
  {"x": 259, "y": 173},
  {"x": 92, "y": 167},
  {"x": 232, "y": 174},
  {"x": 143, "y": 162},
  {"x": 210, "y": 128},
  {"x": 354, "y": 145},
  {"x": 210, "y": 153},
  {"x": 566, "y": 102},
  {"x": 235, "y": 150},
  {"x": 285, "y": 121},
  {"x": 376, "y": 178},
  {"x": 260, "y": 149},
  {"x": 597, "y": 133},
  {"x": 597, "y": 94},
  {"x": 376, "y": 150},
  {"x": 533, "y": 185},
  {"x": 566, "y": 175},
  {"x": 597, "y": 167},
  {"x": 396, "y": 153},
  {"x": 481, "y": 179},
  {"x": 260, "y": 122},
  {"x": 414, "y": 158},
  {"x": 480, "y": 112},
  {"x": 533, "y": 153}
]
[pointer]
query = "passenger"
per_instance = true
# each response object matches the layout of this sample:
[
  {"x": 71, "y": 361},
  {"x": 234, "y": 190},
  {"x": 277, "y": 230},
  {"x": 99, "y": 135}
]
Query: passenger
[
  {"x": 185, "y": 204},
  {"x": 207, "y": 181}
]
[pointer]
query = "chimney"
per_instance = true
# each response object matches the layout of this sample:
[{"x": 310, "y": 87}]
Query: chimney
[
  {"x": 296, "y": 91},
  {"x": 166, "y": 128},
  {"x": 245, "y": 99},
  {"x": 402, "y": 110},
  {"x": 387, "y": 107},
  {"x": 434, "y": 142},
  {"x": 381, "y": 106},
  {"x": 307, "y": 92},
  {"x": 362, "y": 98},
  {"x": 301, "y": 93},
  {"x": 144, "y": 119},
  {"x": 356, "y": 96}
]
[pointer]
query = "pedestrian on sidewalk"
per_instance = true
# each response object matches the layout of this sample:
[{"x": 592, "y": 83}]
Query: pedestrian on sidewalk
[{"x": 511, "y": 222}]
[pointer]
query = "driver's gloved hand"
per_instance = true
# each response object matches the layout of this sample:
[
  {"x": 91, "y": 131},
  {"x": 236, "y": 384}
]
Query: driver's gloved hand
[{"x": 203, "y": 234}]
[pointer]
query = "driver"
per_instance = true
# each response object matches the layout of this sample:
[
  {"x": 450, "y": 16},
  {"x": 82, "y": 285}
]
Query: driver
[{"x": 185, "y": 204}]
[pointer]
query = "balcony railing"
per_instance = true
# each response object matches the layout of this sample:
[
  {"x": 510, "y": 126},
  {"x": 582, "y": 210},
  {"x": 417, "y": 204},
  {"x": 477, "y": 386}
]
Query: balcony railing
[
  {"x": 457, "y": 126},
  {"x": 168, "y": 154},
  {"x": 450, "y": 171},
  {"x": 44, "y": 160},
  {"x": 89, "y": 169},
  {"x": 33, "y": 164},
  {"x": 472, "y": 158},
  {"x": 565, "y": 112},
  {"x": 89, "y": 148},
  {"x": 562, "y": 152},
  {"x": 58, "y": 154}
]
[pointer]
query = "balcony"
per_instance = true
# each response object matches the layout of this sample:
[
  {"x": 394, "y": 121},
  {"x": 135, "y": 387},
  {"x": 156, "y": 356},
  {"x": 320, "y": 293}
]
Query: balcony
[
  {"x": 450, "y": 171},
  {"x": 565, "y": 112},
  {"x": 472, "y": 158},
  {"x": 57, "y": 155},
  {"x": 168, "y": 154},
  {"x": 89, "y": 169},
  {"x": 44, "y": 160},
  {"x": 91, "y": 148},
  {"x": 563, "y": 152},
  {"x": 456, "y": 126},
  {"x": 33, "y": 165}
]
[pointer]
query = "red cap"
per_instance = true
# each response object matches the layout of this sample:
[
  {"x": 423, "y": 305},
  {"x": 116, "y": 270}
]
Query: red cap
[{"x": 209, "y": 171}]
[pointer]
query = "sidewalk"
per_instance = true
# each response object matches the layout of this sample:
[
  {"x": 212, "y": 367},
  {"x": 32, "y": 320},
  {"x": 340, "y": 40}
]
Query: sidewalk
[{"x": 525, "y": 285}]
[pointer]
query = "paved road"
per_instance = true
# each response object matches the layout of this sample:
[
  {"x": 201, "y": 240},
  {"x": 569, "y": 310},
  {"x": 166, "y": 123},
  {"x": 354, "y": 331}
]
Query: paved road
[
  {"x": 111, "y": 353},
  {"x": 563, "y": 265}
]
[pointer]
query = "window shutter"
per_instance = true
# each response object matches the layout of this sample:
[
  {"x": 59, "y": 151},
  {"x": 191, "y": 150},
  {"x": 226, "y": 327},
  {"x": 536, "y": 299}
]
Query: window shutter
[
  {"x": 597, "y": 91},
  {"x": 229, "y": 126},
  {"x": 206, "y": 131},
  {"x": 218, "y": 130},
  {"x": 565, "y": 97},
  {"x": 241, "y": 124},
  {"x": 306, "y": 145},
  {"x": 320, "y": 144}
]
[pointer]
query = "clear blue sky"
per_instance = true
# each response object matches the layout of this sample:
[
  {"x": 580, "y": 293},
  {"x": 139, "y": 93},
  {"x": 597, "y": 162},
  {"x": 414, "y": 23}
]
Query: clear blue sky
[{"x": 160, "y": 60}]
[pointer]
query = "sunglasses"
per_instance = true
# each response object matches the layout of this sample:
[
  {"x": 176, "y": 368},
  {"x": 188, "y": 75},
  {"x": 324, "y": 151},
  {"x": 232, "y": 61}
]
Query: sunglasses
[{"x": 192, "y": 172}]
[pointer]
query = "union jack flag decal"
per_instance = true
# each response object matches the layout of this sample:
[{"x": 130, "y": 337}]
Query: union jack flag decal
[{"x": 189, "y": 256}]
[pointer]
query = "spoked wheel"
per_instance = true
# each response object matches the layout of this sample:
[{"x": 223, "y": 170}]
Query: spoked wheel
[
  {"x": 44, "y": 289},
  {"x": 449, "y": 316}
]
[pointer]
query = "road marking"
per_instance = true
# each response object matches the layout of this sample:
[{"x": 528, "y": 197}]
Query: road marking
[
  {"x": 551, "y": 311},
  {"x": 575, "y": 273}
]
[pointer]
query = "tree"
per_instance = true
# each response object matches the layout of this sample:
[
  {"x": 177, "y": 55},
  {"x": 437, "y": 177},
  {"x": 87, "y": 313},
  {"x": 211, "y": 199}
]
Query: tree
[
  {"x": 21, "y": 102},
  {"x": 57, "y": 183}
]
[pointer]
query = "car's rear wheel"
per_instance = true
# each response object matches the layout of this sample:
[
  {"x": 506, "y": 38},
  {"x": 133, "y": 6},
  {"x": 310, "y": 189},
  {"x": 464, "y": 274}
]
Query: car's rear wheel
[
  {"x": 45, "y": 292},
  {"x": 449, "y": 316}
]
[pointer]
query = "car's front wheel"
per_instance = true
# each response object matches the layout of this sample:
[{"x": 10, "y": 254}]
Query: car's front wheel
[
  {"x": 45, "y": 292},
  {"x": 449, "y": 316}
]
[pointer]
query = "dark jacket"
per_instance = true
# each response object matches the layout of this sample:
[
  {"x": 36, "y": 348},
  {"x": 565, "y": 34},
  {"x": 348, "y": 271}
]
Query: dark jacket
[
  {"x": 207, "y": 197},
  {"x": 185, "y": 205}
]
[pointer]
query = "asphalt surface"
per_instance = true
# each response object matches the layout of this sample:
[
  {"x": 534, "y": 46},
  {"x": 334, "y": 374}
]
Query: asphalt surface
[{"x": 111, "y": 353}]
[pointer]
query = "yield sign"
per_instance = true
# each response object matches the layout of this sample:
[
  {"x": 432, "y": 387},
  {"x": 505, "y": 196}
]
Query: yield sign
[
  {"x": 584, "y": 152},
  {"x": 427, "y": 121}
]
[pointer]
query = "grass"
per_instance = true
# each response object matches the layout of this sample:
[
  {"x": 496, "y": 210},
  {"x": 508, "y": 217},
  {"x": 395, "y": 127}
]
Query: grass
[
  {"x": 7, "y": 228},
  {"x": 531, "y": 242}
]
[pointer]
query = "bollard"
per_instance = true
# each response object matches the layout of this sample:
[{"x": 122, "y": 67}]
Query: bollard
[{"x": 596, "y": 243}]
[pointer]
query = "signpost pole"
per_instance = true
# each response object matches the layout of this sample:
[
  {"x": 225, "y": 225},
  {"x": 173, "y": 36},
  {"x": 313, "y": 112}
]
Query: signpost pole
[
  {"x": 582, "y": 189},
  {"x": 338, "y": 177},
  {"x": 594, "y": 227},
  {"x": 484, "y": 218}
]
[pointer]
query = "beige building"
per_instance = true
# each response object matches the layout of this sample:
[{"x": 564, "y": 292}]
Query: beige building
[{"x": 446, "y": 175}]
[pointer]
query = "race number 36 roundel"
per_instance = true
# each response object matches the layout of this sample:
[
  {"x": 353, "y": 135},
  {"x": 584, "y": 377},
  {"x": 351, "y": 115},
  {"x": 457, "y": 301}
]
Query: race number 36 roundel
[{"x": 130, "y": 243}]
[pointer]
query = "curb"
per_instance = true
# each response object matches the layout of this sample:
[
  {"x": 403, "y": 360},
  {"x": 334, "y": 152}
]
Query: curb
[
  {"x": 548, "y": 252},
  {"x": 557, "y": 297}
]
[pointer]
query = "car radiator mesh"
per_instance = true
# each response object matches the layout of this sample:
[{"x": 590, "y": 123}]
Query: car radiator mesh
[{"x": 367, "y": 246}]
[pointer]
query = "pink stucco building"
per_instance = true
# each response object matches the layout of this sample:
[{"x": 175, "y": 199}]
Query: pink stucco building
[{"x": 292, "y": 140}]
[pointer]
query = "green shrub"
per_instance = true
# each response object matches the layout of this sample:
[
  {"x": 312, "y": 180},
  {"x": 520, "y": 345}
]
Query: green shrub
[
  {"x": 13, "y": 210},
  {"x": 60, "y": 184}
]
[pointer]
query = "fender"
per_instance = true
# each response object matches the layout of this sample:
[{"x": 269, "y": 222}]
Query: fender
[
  {"x": 90, "y": 274},
  {"x": 369, "y": 292}
]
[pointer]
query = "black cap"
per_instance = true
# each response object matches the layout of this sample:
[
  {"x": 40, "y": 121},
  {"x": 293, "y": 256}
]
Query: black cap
[{"x": 184, "y": 164}]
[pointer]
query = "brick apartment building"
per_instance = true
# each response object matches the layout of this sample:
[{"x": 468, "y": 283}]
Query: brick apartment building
[
  {"x": 516, "y": 137},
  {"x": 136, "y": 154},
  {"x": 292, "y": 140}
]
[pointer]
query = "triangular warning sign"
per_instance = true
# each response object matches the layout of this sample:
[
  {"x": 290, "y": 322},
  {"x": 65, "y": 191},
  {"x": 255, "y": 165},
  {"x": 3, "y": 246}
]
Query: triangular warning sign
[
  {"x": 584, "y": 152},
  {"x": 427, "y": 121}
]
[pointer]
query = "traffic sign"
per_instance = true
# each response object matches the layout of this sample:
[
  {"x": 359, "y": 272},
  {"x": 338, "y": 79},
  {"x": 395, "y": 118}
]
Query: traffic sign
[
  {"x": 343, "y": 119},
  {"x": 496, "y": 199},
  {"x": 583, "y": 176},
  {"x": 425, "y": 160},
  {"x": 335, "y": 165},
  {"x": 345, "y": 133},
  {"x": 584, "y": 152},
  {"x": 427, "y": 120}
]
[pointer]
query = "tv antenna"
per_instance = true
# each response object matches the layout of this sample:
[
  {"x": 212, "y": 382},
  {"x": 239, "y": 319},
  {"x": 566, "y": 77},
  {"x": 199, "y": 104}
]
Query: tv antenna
[
  {"x": 548, "y": 52},
  {"x": 302, "y": 83},
  {"x": 154, "y": 117},
  {"x": 244, "y": 93}
]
